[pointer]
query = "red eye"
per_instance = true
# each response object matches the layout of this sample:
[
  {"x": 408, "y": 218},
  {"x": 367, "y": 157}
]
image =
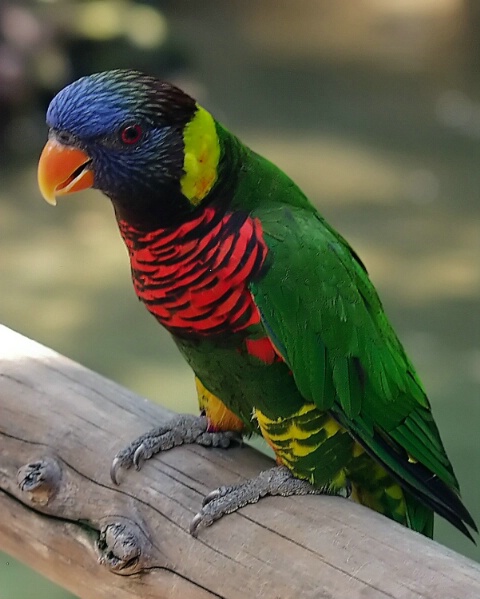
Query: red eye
[{"x": 131, "y": 134}]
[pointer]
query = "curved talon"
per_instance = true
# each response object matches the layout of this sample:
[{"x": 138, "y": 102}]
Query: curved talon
[
  {"x": 195, "y": 524},
  {"x": 348, "y": 489},
  {"x": 114, "y": 468},
  {"x": 138, "y": 456},
  {"x": 211, "y": 496}
]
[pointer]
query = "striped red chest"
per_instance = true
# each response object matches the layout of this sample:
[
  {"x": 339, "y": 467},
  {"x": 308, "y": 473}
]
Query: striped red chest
[{"x": 193, "y": 278}]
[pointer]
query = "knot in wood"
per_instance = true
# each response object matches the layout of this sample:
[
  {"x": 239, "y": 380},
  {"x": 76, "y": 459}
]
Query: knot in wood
[
  {"x": 40, "y": 480},
  {"x": 121, "y": 547}
]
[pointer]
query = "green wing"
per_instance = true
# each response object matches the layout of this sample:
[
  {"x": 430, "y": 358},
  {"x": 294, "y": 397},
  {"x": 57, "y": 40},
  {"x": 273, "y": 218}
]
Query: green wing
[{"x": 324, "y": 316}]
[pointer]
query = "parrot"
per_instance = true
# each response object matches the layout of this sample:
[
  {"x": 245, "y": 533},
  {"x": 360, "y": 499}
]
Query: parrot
[{"x": 269, "y": 305}]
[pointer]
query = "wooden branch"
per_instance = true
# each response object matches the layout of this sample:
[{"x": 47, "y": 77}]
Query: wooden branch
[{"x": 61, "y": 424}]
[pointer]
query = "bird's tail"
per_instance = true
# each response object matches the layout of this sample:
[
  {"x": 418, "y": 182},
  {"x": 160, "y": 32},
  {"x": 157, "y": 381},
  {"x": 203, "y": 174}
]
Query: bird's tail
[{"x": 373, "y": 487}]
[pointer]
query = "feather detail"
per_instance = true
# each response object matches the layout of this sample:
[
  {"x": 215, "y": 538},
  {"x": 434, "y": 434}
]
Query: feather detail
[
  {"x": 193, "y": 278},
  {"x": 262, "y": 349}
]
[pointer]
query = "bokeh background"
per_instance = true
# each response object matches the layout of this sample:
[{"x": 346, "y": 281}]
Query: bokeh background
[{"x": 373, "y": 107}]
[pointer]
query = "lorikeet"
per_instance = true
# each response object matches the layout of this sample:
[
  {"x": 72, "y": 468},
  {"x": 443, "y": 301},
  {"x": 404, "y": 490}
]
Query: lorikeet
[{"x": 269, "y": 305}]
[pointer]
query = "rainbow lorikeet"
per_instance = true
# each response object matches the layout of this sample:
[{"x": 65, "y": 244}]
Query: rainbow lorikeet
[{"x": 269, "y": 305}]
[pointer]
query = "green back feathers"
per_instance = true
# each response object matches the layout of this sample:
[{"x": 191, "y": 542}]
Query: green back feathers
[{"x": 322, "y": 312}]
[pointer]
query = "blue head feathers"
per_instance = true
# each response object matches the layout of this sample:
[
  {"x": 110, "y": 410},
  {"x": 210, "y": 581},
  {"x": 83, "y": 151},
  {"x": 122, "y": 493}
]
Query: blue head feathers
[
  {"x": 96, "y": 104},
  {"x": 93, "y": 106}
]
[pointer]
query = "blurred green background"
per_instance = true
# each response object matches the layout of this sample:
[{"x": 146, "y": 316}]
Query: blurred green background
[{"x": 373, "y": 107}]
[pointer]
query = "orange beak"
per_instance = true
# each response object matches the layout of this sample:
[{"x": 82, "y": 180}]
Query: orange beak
[{"x": 61, "y": 170}]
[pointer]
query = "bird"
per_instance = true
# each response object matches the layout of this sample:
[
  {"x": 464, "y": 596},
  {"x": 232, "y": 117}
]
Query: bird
[{"x": 269, "y": 305}]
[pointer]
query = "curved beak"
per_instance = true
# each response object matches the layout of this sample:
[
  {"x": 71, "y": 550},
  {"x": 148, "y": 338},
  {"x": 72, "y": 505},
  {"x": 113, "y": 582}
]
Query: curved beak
[{"x": 63, "y": 169}]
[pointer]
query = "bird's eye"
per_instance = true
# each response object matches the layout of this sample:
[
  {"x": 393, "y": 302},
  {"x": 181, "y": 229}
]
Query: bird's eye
[{"x": 131, "y": 134}]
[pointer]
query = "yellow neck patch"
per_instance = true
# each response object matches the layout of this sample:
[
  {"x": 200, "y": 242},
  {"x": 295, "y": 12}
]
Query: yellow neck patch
[{"x": 202, "y": 153}]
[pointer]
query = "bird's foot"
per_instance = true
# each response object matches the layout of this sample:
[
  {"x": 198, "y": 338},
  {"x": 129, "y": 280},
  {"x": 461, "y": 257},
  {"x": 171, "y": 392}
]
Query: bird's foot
[
  {"x": 276, "y": 481},
  {"x": 180, "y": 430}
]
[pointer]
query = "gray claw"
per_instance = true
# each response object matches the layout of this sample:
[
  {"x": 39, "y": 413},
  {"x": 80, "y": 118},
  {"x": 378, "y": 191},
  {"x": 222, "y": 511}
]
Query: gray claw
[
  {"x": 138, "y": 456},
  {"x": 195, "y": 524},
  {"x": 215, "y": 494},
  {"x": 279, "y": 480},
  {"x": 182, "y": 429},
  {"x": 114, "y": 468}
]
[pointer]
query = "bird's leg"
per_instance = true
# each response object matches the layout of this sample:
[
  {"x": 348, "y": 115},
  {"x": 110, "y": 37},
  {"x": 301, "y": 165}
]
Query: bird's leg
[
  {"x": 276, "y": 481},
  {"x": 180, "y": 430}
]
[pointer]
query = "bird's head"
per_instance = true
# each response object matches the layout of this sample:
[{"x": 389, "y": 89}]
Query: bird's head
[{"x": 141, "y": 141}]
